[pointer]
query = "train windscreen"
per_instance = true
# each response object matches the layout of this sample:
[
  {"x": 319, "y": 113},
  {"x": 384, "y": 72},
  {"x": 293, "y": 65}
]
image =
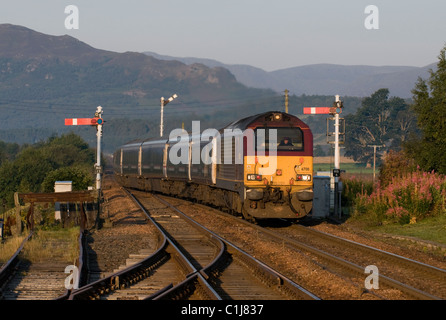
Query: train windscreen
[{"x": 286, "y": 139}]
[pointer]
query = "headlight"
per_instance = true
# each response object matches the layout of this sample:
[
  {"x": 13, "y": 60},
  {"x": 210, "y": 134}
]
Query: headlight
[
  {"x": 254, "y": 177},
  {"x": 303, "y": 177}
]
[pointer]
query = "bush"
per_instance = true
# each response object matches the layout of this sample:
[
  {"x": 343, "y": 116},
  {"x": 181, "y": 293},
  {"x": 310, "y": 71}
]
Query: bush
[
  {"x": 396, "y": 164},
  {"x": 33, "y": 169},
  {"x": 405, "y": 199},
  {"x": 352, "y": 187},
  {"x": 81, "y": 178}
]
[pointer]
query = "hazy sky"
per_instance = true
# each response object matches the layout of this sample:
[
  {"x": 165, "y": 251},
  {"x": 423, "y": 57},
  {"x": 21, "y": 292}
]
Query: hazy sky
[{"x": 269, "y": 34}]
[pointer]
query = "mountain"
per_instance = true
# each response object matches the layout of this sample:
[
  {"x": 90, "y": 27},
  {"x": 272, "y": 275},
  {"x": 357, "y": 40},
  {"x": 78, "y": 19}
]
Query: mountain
[
  {"x": 323, "y": 79},
  {"x": 59, "y": 72},
  {"x": 20, "y": 43},
  {"x": 45, "y": 79}
]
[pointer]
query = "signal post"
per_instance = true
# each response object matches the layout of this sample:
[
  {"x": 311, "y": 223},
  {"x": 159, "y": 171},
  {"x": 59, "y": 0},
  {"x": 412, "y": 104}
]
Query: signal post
[
  {"x": 98, "y": 122},
  {"x": 335, "y": 111}
]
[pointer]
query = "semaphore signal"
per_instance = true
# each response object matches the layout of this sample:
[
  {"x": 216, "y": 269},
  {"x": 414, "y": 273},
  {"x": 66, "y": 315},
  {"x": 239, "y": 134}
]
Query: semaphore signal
[
  {"x": 335, "y": 110},
  {"x": 322, "y": 110},
  {"x": 83, "y": 121},
  {"x": 98, "y": 122}
]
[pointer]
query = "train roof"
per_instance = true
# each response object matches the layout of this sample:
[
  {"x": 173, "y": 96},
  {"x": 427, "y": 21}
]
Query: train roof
[
  {"x": 263, "y": 118},
  {"x": 241, "y": 124}
]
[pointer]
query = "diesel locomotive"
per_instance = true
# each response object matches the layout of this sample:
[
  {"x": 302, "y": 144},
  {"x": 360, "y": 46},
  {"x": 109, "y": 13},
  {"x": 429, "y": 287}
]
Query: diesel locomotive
[{"x": 260, "y": 166}]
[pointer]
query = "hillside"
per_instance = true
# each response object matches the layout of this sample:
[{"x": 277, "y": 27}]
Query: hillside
[
  {"x": 323, "y": 79},
  {"x": 39, "y": 72},
  {"x": 45, "y": 79}
]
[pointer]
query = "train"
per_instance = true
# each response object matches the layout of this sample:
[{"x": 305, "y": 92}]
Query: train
[{"x": 259, "y": 167}]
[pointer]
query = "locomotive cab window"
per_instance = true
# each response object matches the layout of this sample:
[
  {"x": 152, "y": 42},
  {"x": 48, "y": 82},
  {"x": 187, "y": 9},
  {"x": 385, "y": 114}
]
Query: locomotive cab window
[{"x": 288, "y": 139}]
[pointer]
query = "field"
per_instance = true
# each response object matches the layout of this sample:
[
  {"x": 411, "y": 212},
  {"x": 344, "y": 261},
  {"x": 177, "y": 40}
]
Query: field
[{"x": 350, "y": 167}]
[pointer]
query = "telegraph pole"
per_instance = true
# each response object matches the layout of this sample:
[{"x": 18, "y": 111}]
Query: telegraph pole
[
  {"x": 286, "y": 100},
  {"x": 163, "y": 104},
  {"x": 374, "y": 146}
]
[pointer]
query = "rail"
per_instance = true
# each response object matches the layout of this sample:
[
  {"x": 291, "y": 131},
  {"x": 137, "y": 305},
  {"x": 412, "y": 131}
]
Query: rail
[
  {"x": 210, "y": 273},
  {"x": 8, "y": 267}
]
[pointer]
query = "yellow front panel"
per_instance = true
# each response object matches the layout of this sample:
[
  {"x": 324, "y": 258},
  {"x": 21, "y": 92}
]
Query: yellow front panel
[{"x": 289, "y": 167}]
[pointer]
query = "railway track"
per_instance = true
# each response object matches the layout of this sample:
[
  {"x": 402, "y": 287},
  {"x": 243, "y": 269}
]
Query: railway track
[
  {"x": 236, "y": 275},
  {"x": 192, "y": 263},
  {"x": 187, "y": 262},
  {"x": 348, "y": 260},
  {"x": 416, "y": 279},
  {"x": 21, "y": 279}
]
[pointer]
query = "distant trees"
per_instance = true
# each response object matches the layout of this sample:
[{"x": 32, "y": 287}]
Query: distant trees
[
  {"x": 37, "y": 167},
  {"x": 8, "y": 151},
  {"x": 318, "y": 151},
  {"x": 429, "y": 151},
  {"x": 379, "y": 121},
  {"x": 419, "y": 129}
]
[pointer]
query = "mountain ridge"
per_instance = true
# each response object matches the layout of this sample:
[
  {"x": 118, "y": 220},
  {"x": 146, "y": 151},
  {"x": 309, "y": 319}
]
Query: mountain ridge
[
  {"x": 45, "y": 79},
  {"x": 322, "y": 78}
]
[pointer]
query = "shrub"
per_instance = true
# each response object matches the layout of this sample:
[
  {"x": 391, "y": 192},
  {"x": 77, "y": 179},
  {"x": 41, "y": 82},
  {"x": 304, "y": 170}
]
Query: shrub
[
  {"x": 352, "y": 187},
  {"x": 407, "y": 198},
  {"x": 396, "y": 164}
]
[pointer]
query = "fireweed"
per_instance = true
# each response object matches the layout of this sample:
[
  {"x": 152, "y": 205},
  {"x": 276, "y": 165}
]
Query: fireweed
[{"x": 405, "y": 199}]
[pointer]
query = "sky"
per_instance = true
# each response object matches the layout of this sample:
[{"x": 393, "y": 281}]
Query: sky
[{"x": 268, "y": 34}]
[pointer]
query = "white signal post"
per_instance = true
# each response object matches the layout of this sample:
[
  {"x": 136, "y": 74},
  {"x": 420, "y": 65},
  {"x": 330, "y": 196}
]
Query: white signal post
[
  {"x": 337, "y": 159},
  {"x": 98, "y": 114},
  {"x": 335, "y": 110},
  {"x": 337, "y": 154},
  {"x": 164, "y": 103},
  {"x": 98, "y": 122}
]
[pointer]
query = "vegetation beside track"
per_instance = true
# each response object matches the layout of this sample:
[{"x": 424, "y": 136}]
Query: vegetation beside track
[{"x": 405, "y": 201}]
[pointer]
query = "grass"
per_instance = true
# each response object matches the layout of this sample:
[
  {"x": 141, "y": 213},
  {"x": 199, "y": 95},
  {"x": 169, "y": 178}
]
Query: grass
[
  {"x": 350, "y": 168},
  {"x": 9, "y": 247},
  {"x": 56, "y": 244},
  {"x": 50, "y": 242},
  {"x": 431, "y": 229}
]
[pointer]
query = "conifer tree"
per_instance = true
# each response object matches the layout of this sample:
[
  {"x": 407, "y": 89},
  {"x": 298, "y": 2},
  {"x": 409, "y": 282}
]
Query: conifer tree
[{"x": 429, "y": 96}]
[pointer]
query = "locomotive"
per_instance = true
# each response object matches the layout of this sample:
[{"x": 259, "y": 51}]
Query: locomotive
[{"x": 259, "y": 167}]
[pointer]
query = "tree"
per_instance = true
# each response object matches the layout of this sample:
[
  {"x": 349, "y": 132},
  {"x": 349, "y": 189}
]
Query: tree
[
  {"x": 81, "y": 178},
  {"x": 61, "y": 158},
  {"x": 429, "y": 151},
  {"x": 380, "y": 121},
  {"x": 319, "y": 151}
]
